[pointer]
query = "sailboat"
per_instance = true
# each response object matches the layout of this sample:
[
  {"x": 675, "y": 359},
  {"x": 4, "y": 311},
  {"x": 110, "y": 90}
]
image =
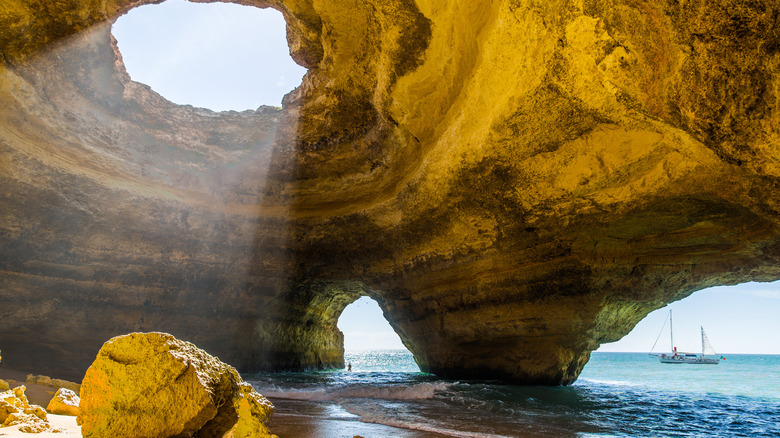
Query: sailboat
[{"x": 707, "y": 355}]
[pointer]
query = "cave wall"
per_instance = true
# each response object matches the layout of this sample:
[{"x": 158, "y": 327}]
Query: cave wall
[{"x": 515, "y": 182}]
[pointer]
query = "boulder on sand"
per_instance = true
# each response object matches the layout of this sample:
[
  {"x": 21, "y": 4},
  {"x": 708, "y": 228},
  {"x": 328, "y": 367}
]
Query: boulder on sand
[
  {"x": 65, "y": 402},
  {"x": 152, "y": 385},
  {"x": 14, "y": 401},
  {"x": 15, "y": 410}
]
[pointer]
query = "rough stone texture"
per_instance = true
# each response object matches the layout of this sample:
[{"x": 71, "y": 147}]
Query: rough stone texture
[
  {"x": 15, "y": 410},
  {"x": 64, "y": 402},
  {"x": 254, "y": 414},
  {"x": 515, "y": 182},
  {"x": 52, "y": 383},
  {"x": 152, "y": 385},
  {"x": 27, "y": 423}
]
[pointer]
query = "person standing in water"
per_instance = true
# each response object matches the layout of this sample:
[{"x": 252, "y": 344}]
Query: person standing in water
[{"x": 349, "y": 366}]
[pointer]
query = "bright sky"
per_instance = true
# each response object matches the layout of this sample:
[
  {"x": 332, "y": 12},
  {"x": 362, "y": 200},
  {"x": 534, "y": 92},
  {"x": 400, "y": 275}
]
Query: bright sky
[
  {"x": 225, "y": 56},
  {"x": 738, "y": 319},
  {"x": 219, "y": 56},
  {"x": 366, "y": 328}
]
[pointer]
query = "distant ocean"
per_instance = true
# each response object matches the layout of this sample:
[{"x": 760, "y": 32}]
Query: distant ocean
[{"x": 618, "y": 394}]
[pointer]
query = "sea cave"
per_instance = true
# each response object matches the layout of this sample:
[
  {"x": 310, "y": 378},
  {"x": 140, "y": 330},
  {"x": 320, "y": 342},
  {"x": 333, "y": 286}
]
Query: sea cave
[{"x": 513, "y": 182}]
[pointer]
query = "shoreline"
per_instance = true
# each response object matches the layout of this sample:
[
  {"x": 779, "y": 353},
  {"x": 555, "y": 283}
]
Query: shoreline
[
  {"x": 312, "y": 419},
  {"x": 291, "y": 419}
]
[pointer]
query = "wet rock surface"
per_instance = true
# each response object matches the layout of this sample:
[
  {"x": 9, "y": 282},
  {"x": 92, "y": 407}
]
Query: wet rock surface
[{"x": 514, "y": 182}]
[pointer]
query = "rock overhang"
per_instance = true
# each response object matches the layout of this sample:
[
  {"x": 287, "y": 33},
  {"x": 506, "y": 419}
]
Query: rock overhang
[{"x": 514, "y": 182}]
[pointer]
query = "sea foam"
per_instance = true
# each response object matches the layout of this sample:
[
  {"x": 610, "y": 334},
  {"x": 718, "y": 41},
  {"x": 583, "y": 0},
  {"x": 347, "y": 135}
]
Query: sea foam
[{"x": 418, "y": 391}]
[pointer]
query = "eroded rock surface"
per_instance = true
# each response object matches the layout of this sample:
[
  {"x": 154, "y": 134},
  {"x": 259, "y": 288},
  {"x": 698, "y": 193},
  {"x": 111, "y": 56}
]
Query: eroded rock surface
[
  {"x": 15, "y": 410},
  {"x": 151, "y": 385},
  {"x": 515, "y": 182},
  {"x": 64, "y": 402}
]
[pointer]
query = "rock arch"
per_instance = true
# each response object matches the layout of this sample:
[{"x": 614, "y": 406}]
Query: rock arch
[{"x": 513, "y": 182}]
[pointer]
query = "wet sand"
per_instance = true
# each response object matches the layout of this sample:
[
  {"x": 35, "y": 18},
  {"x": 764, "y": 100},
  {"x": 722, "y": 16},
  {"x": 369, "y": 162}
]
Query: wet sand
[
  {"x": 304, "y": 419},
  {"x": 292, "y": 419}
]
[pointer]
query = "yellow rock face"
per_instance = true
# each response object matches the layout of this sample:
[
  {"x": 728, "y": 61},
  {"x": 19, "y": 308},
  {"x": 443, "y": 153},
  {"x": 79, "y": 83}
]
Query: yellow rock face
[
  {"x": 153, "y": 385},
  {"x": 53, "y": 383},
  {"x": 254, "y": 414},
  {"x": 515, "y": 182},
  {"x": 16, "y": 410},
  {"x": 65, "y": 402}
]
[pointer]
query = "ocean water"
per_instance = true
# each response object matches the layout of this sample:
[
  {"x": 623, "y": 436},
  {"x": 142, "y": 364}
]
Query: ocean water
[{"x": 618, "y": 394}]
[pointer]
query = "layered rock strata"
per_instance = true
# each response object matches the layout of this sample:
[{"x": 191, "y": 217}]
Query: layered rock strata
[{"x": 515, "y": 182}]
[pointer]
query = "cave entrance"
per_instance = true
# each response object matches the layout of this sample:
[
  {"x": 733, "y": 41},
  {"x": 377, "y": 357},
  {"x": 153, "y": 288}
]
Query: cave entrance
[
  {"x": 737, "y": 320},
  {"x": 218, "y": 56},
  {"x": 370, "y": 343}
]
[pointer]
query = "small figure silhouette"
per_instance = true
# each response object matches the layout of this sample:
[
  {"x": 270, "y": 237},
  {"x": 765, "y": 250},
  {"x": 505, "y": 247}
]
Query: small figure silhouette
[{"x": 349, "y": 366}]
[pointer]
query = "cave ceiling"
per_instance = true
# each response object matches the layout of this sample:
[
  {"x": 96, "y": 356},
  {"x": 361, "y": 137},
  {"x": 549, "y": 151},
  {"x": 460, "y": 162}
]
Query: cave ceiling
[{"x": 515, "y": 182}]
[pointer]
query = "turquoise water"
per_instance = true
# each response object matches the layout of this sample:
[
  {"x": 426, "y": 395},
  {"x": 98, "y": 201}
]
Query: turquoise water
[{"x": 618, "y": 394}]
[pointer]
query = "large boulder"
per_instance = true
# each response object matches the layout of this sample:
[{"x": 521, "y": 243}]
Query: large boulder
[
  {"x": 152, "y": 385},
  {"x": 64, "y": 402}
]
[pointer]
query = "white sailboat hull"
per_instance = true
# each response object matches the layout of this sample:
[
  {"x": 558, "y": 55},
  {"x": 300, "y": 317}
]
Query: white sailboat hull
[
  {"x": 706, "y": 357},
  {"x": 688, "y": 358}
]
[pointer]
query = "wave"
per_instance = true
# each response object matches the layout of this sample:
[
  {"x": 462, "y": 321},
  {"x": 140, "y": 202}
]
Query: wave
[
  {"x": 419, "y": 391},
  {"x": 427, "y": 426},
  {"x": 608, "y": 382}
]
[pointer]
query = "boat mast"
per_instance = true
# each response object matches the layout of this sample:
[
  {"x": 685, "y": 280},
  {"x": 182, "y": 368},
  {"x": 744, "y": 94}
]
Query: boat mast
[{"x": 671, "y": 330}]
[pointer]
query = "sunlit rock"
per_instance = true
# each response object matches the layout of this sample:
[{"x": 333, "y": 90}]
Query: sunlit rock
[
  {"x": 154, "y": 385},
  {"x": 52, "y": 383},
  {"x": 15, "y": 410},
  {"x": 514, "y": 182},
  {"x": 64, "y": 402}
]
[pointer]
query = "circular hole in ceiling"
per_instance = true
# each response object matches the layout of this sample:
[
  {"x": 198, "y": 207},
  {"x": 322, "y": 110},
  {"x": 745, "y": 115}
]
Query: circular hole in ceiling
[{"x": 218, "y": 56}]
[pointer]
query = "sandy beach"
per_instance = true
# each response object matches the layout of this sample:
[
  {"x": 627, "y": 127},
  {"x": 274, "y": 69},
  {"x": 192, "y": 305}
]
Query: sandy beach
[
  {"x": 64, "y": 422},
  {"x": 303, "y": 419},
  {"x": 292, "y": 419},
  {"x": 37, "y": 395}
]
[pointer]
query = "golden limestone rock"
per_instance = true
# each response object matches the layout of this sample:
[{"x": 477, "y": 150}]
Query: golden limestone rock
[
  {"x": 64, "y": 402},
  {"x": 15, "y": 401},
  {"x": 515, "y": 182},
  {"x": 15, "y": 410},
  {"x": 28, "y": 423},
  {"x": 53, "y": 383},
  {"x": 152, "y": 385},
  {"x": 254, "y": 414}
]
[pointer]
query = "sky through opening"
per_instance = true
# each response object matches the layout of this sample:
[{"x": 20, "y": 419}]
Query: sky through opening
[
  {"x": 218, "y": 56},
  {"x": 737, "y": 319},
  {"x": 365, "y": 328}
]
